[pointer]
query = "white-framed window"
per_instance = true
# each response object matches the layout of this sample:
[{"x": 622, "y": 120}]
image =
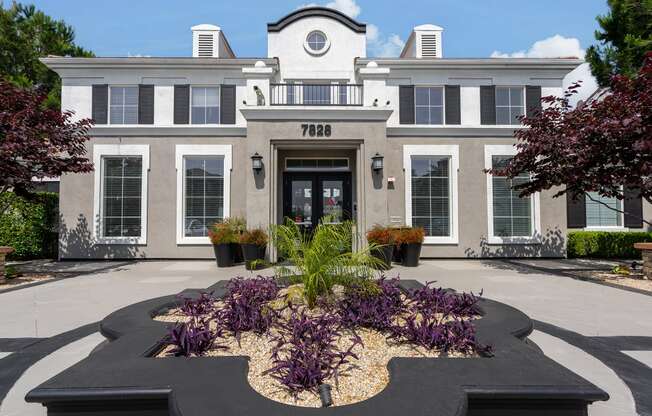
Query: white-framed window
[
  {"x": 600, "y": 216},
  {"x": 123, "y": 108},
  {"x": 510, "y": 105},
  {"x": 205, "y": 105},
  {"x": 431, "y": 195},
  {"x": 511, "y": 218},
  {"x": 120, "y": 195},
  {"x": 316, "y": 43},
  {"x": 203, "y": 190},
  {"x": 429, "y": 105}
]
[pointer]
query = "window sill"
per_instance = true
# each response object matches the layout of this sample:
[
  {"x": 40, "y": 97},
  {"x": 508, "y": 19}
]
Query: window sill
[
  {"x": 194, "y": 241},
  {"x": 433, "y": 241},
  {"x": 513, "y": 240},
  {"x": 607, "y": 228},
  {"x": 132, "y": 241}
]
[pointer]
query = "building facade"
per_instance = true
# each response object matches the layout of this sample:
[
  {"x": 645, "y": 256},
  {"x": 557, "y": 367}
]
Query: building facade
[{"x": 314, "y": 132}]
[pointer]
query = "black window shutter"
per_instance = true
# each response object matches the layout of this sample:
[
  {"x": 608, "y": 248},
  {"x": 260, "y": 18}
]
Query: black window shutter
[
  {"x": 145, "y": 104},
  {"x": 453, "y": 111},
  {"x": 633, "y": 207},
  {"x": 576, "y": 211},
  {"x": 406, "y": 104},
  {"x": 227, "y": 104},
  {"x": 532, "y": 99},
  {"x": 181, "y": 104},
  {"x": 487, "y": 104},
  {"x": 100, "y": 103}
]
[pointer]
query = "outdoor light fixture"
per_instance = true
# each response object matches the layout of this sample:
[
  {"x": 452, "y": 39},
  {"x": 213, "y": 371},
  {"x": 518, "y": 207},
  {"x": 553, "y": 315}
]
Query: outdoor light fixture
[
  {"x": 377, "y": 162},
  {"x": 257, "y": 162}
]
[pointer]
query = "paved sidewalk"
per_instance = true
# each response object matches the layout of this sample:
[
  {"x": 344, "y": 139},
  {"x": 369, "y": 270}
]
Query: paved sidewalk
[{"x": 584, "y": 326}]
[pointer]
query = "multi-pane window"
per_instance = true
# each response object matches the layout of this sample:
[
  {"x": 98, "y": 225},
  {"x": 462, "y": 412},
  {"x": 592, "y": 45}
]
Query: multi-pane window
[
  {"x": 316, "y": 41},
  {"x": 512, "y": 214},
  {"x": 431, "y": 194},
  {"x": 124, "y": 105},
  {"x": 121, "y": 196},
  {"x": 509, "y": 105},
  {"x": 203, "y": 194},
  {"x": 429, "y": 105},
  {"x": 342, "y": 94},
  {"x": 205, "y": 108},
  {"x": 601, "y": 211}
]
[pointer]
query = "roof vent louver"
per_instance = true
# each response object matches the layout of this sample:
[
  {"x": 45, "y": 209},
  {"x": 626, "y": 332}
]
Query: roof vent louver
[
  {"x": 424, "y": 42},
  {"x": 429, "y": 46},
  {"x": 205, "y": 41}
]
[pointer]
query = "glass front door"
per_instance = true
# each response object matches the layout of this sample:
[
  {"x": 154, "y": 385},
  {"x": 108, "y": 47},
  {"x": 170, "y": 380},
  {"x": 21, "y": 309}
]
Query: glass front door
[{"x": 314, "y": 197}]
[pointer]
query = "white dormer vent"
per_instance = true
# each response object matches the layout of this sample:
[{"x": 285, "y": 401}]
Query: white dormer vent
[
  {"x": 424, "y": 42},
  {"x": 205, "y": 41}
]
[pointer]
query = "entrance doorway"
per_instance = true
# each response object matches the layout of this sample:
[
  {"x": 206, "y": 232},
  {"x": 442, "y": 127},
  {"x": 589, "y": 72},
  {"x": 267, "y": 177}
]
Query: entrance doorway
[{"x": 313, "y": 197}]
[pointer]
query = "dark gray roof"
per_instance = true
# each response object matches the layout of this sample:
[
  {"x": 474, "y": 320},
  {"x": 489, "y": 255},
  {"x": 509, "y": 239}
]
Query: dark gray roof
[{"x": 319, "y": 12}]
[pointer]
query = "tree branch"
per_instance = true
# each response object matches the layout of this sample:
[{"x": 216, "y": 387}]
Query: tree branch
[{"x": 617, "y": 210}]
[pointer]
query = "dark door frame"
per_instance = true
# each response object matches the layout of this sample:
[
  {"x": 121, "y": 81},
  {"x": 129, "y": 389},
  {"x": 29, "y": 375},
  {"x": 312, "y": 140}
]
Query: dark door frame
[{"x": 317, "y": 178}]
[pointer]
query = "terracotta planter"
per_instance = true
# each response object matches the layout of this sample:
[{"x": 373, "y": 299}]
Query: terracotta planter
[
  {"x": 410, "y": 254},
  {"x": 251, "y": 253},
  {"x": 384, "y": 254},
  {"x": 223, "y": 254}
]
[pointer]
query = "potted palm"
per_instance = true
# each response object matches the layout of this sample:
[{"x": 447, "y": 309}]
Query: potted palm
[
  {"x": 223, "y": 239},
  {"x": 381, "y": 240},
  {"x": 410, "y": 240},
  {"x": 254, "y": 245}
]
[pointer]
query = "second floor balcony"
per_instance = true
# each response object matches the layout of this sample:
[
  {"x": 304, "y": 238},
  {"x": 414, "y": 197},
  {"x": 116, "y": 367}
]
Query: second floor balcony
[{"x": 316, "y": 94}]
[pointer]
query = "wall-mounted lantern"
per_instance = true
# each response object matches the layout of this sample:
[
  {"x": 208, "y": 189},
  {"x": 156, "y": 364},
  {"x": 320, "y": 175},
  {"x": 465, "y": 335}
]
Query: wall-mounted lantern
[
  {"x": 257, "y": 162},
  {"x": 377, "y": 162}
]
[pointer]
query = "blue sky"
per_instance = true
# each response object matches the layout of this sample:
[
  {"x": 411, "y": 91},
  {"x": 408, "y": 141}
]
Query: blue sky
[{"x": 473, "y": 28}]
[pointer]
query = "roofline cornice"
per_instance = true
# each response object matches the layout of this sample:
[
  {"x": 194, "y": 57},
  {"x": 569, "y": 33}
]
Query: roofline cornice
[
  {"x": 317, "y": 12},
  {"x": 474, "y": 63},
  {"x": 55, "y": 63}
]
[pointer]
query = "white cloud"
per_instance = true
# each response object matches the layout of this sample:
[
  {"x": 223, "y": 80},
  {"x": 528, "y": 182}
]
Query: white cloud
[
  {"x": 378, "y": 44},
  {"x": 554, "y": 47}
]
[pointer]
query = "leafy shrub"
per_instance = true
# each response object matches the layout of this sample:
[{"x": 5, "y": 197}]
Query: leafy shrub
[
  {"x": 427, "y": 300},
  {"x": 245, "y": 305},
  {"x": 199, "y": 308},
  {"x": 30, "y": 227},
  {"x": 306, "y": 351},
  {"x": 222, "y": 233},
  {"x": 237, "y": 224},
  {"x": 361, "y": 307},
  {"x": 409, "y": 235},
  {"x": 256, "y": 237},
  {"x": 323, "y": 259},
  {"x": 380, "y": 235},
  {"x": 606, "y": 244}
]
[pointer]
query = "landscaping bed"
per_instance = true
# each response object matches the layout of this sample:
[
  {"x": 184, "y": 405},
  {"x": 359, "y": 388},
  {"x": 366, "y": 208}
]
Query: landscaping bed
[{"x": 345, "y": 341}]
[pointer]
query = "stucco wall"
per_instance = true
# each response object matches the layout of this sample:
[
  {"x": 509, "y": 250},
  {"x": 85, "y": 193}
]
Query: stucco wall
[{"x": 76, "y": 204}]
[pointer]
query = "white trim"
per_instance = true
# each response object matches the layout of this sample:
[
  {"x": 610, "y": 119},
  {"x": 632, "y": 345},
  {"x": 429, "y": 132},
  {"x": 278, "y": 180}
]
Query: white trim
[
  {"x": 100, "y": 150},
  {"x": 443, "y": 105},
  {"x": 317, "y": 169},
  {"x": 219, "y": 105},
  {"x": 182, "y": 150},
  {"x": 523, "y": 97},
  {"x": 315, "y": 52},
  {"x": 535, "y": 238},
  {"x": 108, "y": 111},
  {"x": 612, "y": 228},
  {"x": 434, "y": 150}
]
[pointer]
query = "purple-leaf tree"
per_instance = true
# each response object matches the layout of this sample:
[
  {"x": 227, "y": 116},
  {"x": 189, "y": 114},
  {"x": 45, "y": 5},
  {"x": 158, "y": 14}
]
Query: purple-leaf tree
[
  {"x": 37, "y": 142},
  {"x": 602, "y": 146}
]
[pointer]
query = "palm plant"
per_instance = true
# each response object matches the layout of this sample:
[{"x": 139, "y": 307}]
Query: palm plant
[{"x": 324, "y": 258}]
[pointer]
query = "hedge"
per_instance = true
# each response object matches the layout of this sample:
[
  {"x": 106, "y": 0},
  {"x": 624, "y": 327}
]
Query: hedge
[
  {"x": 606, "y": 244},
  {"x": 30, "y": 227}
]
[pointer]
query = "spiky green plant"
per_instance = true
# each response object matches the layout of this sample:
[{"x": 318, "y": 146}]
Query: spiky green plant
[{"x": 323, "y": 258}]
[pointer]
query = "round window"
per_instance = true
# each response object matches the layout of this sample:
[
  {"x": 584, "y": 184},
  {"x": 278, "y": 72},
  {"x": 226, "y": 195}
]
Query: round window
[{"x": 316, "y": 42}]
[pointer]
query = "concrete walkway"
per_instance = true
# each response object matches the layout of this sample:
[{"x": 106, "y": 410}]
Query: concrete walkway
[{"x": 583, "y": 326}]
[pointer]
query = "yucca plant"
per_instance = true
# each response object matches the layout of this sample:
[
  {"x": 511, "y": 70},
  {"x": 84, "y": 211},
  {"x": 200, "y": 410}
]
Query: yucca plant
[{"x": 324, "y": 258}]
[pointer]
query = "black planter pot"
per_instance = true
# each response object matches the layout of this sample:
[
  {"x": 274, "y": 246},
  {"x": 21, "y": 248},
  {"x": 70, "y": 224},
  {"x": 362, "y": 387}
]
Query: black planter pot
[
  {"x": 384, "y": 254},
  {"x": 251, "y": 253},
  {"x": 410, "y": 253},
  {"x": 237, "y": 253},
  {"x": 223, "y": 254},
  {"x": 397, "y": 256}
]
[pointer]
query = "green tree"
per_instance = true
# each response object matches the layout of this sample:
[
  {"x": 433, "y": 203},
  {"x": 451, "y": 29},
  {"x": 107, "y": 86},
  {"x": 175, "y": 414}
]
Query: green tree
[
  {"x": 625, "y": 37},
  {"x": 27, "y": 34}
]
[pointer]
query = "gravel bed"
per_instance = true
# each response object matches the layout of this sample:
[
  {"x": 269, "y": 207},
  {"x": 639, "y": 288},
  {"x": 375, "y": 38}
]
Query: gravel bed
[{"x": 361, "y": 379}]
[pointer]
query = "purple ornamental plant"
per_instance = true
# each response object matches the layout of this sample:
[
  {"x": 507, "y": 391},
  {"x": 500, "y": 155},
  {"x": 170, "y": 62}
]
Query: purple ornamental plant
[
  {"x": 245, "y": 305},
  {"x": 195, "y": 336},
  {"x": 306, "y": 353},
  {"x": 361, "y": 307}
]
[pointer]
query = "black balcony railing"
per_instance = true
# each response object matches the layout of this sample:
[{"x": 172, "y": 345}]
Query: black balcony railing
[{"x": 316, "y": 94}]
